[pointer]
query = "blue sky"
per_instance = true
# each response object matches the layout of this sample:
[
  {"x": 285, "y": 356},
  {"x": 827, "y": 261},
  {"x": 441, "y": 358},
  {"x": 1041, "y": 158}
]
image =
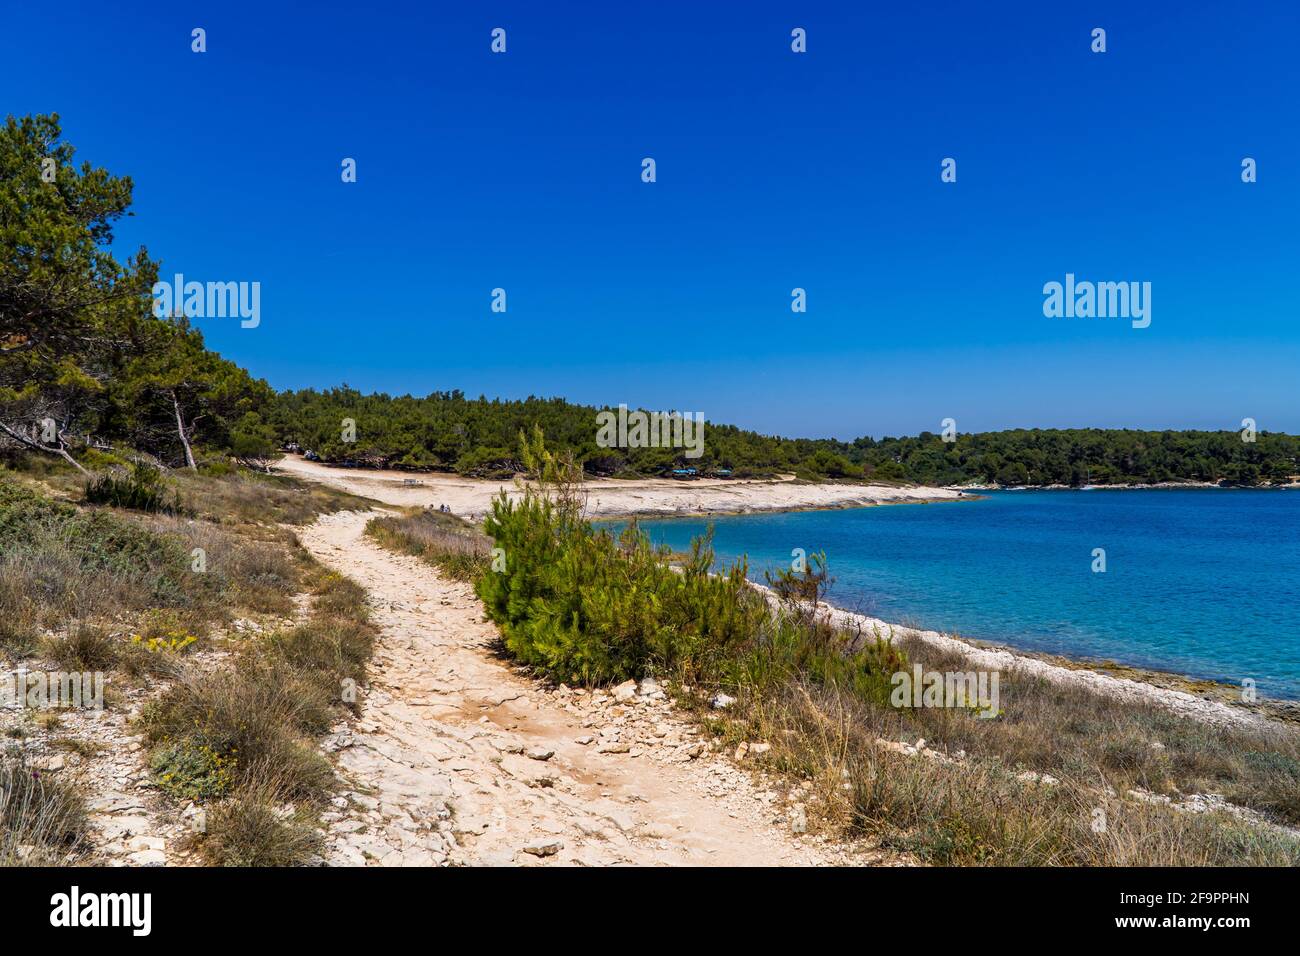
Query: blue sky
[{"x": 775, "y": 170}]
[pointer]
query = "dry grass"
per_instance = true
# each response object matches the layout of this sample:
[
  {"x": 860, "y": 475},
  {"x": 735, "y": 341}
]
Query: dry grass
[
  {"x": 445, "y": 541},
  {"x": 219, "y": 492},
  {"x": 251, "y": 498},
  {"x": 42, "y": 820},
  {"x": 99, "y": 589},
  {"x": 248, "y": 572},
  {"x": 259, "y": 826},
  {"x": 242, "y": 738},
  {"x": 219, "y": 728},
  {"x": 977, "y": 810},
  {"x": 66, "y": 568},
  {"x": 83, "y": 647},
  {"x": 63, "y": 564},
  {"x": 1072, "y": 732}
]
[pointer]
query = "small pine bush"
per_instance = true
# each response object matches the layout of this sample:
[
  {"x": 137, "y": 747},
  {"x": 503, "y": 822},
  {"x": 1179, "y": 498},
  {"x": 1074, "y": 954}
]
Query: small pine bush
[{"x": 582, "y": 605}]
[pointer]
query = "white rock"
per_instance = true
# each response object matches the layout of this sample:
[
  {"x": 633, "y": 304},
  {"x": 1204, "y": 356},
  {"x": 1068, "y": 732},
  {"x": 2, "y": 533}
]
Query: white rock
[
  {"x": 1033, "y": 776},
  {"x": 336, "y": 742},
  {"x": 721, "y": 701},
  {"x": 798, "y": 819},
  {"x": 539, "y": 753},
  {"x": 544, "y": 847},
  {"x": 625, "y": 691}
]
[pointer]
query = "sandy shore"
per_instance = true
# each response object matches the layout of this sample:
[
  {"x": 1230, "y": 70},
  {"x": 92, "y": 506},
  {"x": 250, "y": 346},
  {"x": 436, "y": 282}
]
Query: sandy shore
[{"x": 471, "y": 497}]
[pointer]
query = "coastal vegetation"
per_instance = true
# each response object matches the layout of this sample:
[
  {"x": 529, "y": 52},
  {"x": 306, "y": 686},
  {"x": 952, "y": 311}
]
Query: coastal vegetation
[
  {"x": 242, "y": 737},
  {"x": 138, "y": 533},
  {"x": 1061, "y": 775},
  {"x": 193, "y": 609},
  {"x": 84, "y": 364}
]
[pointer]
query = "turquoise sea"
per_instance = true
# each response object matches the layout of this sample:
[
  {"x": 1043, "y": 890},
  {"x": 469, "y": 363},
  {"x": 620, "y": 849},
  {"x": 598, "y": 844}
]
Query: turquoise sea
[{"x": 1203, "y": 582}]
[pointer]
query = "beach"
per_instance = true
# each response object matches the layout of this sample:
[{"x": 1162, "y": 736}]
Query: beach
[
  {"x": 616, "y": 498},
  {"x": 471, "y": 498}
]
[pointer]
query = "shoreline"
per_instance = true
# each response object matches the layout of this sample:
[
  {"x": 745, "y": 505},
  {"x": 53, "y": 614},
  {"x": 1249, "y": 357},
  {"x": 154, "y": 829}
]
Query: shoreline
[
  {"x": 616, "y": 498},
  {"x": 846, "y": 505},
  {"x": 1210, "y": 701},
  {"x": 470, "y": 498},
  {"x": 1156, "y": 486}
]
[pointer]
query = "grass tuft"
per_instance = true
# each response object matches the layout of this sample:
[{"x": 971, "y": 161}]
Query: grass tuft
[{"x": 42, "y": 820}]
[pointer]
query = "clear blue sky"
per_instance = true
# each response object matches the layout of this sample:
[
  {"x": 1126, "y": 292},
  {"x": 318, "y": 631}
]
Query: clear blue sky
[{"x": 775, "y": 170}]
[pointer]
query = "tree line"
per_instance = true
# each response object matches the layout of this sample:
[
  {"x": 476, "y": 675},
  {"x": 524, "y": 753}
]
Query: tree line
[
  {"x": 86, "y": 368},
  {"x": 447, "y": 431}
]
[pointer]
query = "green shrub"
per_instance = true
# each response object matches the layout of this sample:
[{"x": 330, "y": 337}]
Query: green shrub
[
  {"x": 190, "y": 769},
  {"x": 141, "y": 489},
  {"x": 583, "y": 606}
]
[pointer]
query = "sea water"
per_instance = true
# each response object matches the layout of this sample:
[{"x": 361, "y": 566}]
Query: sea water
[{"x": 1202, "y": 582}]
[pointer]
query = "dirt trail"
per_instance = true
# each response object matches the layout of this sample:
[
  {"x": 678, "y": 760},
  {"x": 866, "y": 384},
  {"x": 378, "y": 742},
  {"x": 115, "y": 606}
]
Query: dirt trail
[{"x": 449, "y": 757}]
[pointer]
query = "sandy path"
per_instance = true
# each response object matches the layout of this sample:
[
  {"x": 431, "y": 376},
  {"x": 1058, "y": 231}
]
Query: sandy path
[
  {"x": 446, "y": 759},
  {"x": 470, "y": 497}
]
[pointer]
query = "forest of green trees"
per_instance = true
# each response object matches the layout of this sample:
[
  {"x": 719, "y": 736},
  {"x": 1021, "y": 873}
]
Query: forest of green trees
[
  {"x": 90, "y": 375},
  {"x": 83, "y": 361},
  {"x": 447, "y": 431}
]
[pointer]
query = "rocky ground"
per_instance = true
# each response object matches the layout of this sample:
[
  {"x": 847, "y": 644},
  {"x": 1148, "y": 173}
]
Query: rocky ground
[
  {"x": 131, "y": 822},
  {"x": 458, "y": 758}
]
